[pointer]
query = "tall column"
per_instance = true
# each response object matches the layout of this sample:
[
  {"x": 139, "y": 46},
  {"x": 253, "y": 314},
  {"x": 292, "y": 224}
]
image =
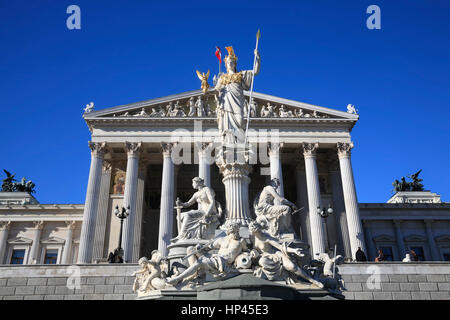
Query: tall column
[
  {"x": 372, "y": 251},
  {"x": 167, "y": 201},
  {"x": 102, "y": 212},
  {"x": 339, "y": 208},
  {"x": 355, "y": 229},
  {"x": 318, "y": 241},
  {"x": 275, "y": 165},
  {"x": 68, "y": 244},
  {"x": 4, "y": 230},
  {"x": 91, "y": 203},
  {"x": 302, "y": 201},
  {"x": 434, "y": 251},
  {"x": 204, "y": 162},
  {"x": 401, "y": 248},
  {"x": 139, "y": 210},
  {"x": 129, "y": 197},
  {"x": 38, "y": 225}
]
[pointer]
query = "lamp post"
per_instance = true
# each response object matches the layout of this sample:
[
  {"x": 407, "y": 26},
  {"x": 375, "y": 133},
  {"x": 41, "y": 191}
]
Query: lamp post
[
  {"x": 325, "y": 213},
  {"x": 117, "y": 255}
]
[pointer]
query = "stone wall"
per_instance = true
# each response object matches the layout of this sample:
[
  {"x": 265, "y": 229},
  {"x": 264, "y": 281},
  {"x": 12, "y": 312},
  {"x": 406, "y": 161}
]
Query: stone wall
[
  {"x": 59, "y": 282},
  {"x": 364, "y": 281},
  {"x": 396, "y": 281}
]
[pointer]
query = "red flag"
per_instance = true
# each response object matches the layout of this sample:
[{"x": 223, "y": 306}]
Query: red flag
[{"x": 218, "y": 54}]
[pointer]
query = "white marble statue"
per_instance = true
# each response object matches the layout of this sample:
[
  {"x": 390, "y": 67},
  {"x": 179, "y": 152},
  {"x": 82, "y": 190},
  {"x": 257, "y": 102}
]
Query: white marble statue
[
  {"x": 284, "y": 113},
  {"x": 157, "y": 112},
  {"x": 299, "y": 113},
  {"x": 200, "y": 106},
  {"x": 351, "y": 109},
  {"x": 268, "y": 111},
  {"x": 276, "y": 217},
  {"x": 217, "y": 264},
  {"x": 198, "y": 224},
  {"x": 231, "y": 100},
  {"x": 141, "y": 113},
  {"x": 253, "y": 108},
  {"x": 176, "y": 110},
  {"x": 276, "y": 259},
  {"x": 89, "y": 108},
  {"x": 152, "y": 274},
  {"x": 192, "y": 107},
  {"x": 407, "y": 258}
]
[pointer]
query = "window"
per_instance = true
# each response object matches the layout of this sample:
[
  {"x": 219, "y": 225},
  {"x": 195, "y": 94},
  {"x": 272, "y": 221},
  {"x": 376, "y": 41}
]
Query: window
[
  {"x": 419, "y": 253},
  {"x": 51, "y": 256},
  {"x": 18, "y": 256},
  {"x": 387, "y": 252},
  {"x": 446, "y": 256}
]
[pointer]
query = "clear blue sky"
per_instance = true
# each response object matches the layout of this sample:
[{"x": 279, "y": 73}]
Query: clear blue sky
[{"x": 319, "y": 52}]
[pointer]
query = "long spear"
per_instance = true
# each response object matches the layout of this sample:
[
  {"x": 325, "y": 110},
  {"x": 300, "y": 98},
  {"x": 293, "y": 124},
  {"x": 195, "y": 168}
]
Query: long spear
[{"x": 258, "y": 35}]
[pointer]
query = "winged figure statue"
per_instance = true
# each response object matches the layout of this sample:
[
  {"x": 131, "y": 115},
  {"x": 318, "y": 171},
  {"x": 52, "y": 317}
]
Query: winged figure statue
[{"x": 204, "y": 79}]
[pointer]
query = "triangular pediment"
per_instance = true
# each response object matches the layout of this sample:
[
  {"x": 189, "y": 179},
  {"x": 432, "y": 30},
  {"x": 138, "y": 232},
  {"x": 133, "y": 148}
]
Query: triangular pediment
[
  {"x": 53, "y": 240},
  {"x": 20, "y": 240},
  {"x": 384, "y": 238},
  {"x": 414, "y": 238},
  {"x": 268, "y": 108}
]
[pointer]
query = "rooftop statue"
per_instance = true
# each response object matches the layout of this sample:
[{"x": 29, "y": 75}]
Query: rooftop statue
[
  {"x": 231, "y": 101},
  {"x": 204, "y": 79},
  {"x": 9, "y": 184},
  {"x": 403, "y": 185}
]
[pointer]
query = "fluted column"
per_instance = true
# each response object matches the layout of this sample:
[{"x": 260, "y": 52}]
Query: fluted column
[
  {"x": 167, "y": 200},
  {"x": 139, "y": 210},
  {"x": 68, "y": 244},
  {"x": 401, "y": 249},
  {"x": 129, "y": 197},
  {"x": 91, "y": 203},
  {"x": 355, "y": 229},
  {"x": 38, "y": 226},
  {"x": 339, "y": 208},
  {"x": 102, "y": 212},
  {"x": 372, "y": 251},
  {"x": 4, "y": 230},
  {"x": 434, "y": 250},
  {"x": 275, "y": 165},
  {"x": 302, "y": 201},
  {"x": 318, "y": 240},
  {"x": 204, "y": 162}
]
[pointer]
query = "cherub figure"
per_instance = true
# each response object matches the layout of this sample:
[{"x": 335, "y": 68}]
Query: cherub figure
[{"x": 152, "y": 273}]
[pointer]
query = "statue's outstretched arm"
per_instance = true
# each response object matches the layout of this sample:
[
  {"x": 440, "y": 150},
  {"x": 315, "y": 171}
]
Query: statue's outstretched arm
[{"x": 191, "y": 201}]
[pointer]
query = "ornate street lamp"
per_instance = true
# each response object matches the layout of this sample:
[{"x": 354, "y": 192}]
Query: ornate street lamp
[
  {"x": 117, "y": 255},
  {"x": 325, "y": 212}
]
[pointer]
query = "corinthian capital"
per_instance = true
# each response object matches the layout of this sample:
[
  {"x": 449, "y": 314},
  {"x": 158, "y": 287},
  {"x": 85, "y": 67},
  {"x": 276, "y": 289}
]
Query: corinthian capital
[
  {"x": 204, "y": 147},
  {"x": 343, "y": 149},
  {"x": 70, "y": 224},
  {"x": 5, "y": 225},
  {"x": 274, "y": 148},
  {"x": 133, "y": 148},
  {"x": 167, "y": 148},
  {"x": 97, "y": 148},
  {"x": 38, "y": 224},
  {"x": 310, "y": 149}
]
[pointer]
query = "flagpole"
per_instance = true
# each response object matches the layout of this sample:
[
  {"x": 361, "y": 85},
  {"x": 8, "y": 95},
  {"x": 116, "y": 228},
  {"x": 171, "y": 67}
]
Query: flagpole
[{"x": 258, "y": 34}]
